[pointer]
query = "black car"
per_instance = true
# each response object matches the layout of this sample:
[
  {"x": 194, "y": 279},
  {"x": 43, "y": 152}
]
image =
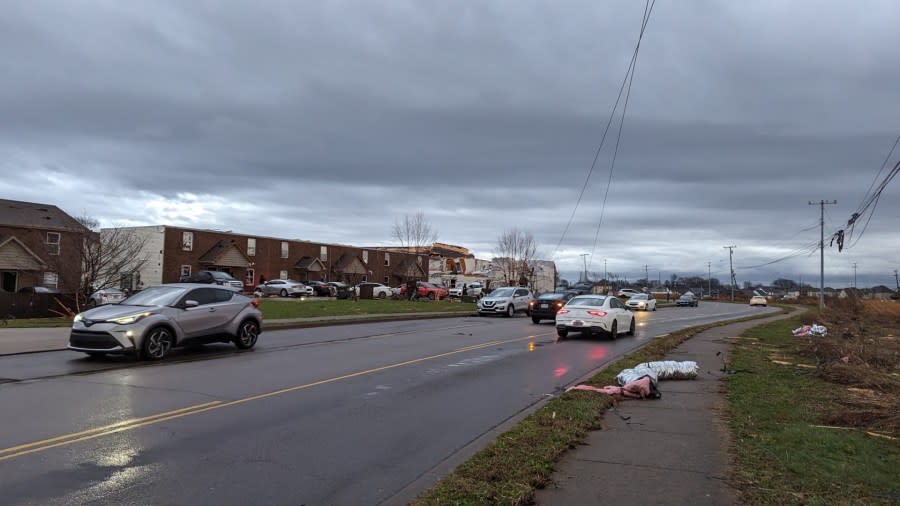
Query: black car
[
  {"x": 546, "y": 305},
  {"x": 320, "y": 288},
  {"x": 339, "y": 290},
  {"x": 687, "y": 299}
]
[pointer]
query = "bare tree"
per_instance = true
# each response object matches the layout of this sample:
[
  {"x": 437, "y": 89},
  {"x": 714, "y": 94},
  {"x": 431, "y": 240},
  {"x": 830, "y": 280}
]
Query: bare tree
[
  {"x": 515, "y": 250},
  {"x": 414, "y": 233},
  {"x": 107, "y": 257}
]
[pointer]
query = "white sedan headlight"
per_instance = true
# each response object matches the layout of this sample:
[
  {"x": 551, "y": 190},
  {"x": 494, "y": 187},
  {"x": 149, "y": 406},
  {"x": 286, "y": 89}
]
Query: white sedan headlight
[
  {"x": 78, "y": 318},
  {"x": 128, "y": 320}
]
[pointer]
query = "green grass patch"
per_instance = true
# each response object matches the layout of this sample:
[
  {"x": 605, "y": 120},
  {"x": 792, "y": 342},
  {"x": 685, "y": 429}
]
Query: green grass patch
[
  {"x": 22, "y": 323},
  {"x": 523, "y": 459},
  {"x": 312, "y": 307},
  {"x": 781, "y": 456}
]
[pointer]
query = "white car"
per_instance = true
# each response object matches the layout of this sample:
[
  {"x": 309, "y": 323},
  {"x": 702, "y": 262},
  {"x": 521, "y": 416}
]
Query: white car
[
  {"x": 473, "y": 289},
  {"x": 379, "y": 291},
  {"x": 758, "y": 300},
  {"x": 627, "y": 292},
  {"x": 506, "y": 301},
  {"x": 106, "y": 296},
  {"x": 284, "y": 288},
  {"x": 590, "y": 314},
  {"x": 642, "y": 301}
]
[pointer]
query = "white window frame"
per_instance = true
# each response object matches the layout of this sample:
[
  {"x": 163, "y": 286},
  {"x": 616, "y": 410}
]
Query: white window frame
[
  {"x": 250, "y": 277},
  {"x": 365, "y": 278},
  {"x": 285, "y": 250},
  {"x": 387, "y": 259},
  {"x": 323, "y": 253},
  {"x": 365, "y": 256},
  {"x": 53, "y": 246},
  {"x": 251, "y": 246},
  {"x": 283, "y": 275},
  {"x": 185, "y": 270},
  {"x": 51, "y": 280},
  {"x": 187, "y": 241}
]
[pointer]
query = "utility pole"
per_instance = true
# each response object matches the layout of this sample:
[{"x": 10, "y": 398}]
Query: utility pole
[
  {"x": 821, "y": 205},
  {"x": 854, "y": 276},
  {"x": 709, "y": 278},
  {"x": 897, "y": 280},
  {"x": 731, "y": 267},
  {"x": 605, "y": 274},
  {"x": 646, "y": 275}
]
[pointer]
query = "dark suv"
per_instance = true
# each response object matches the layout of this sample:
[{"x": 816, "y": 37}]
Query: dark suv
[{"x": 547, "y": 304}]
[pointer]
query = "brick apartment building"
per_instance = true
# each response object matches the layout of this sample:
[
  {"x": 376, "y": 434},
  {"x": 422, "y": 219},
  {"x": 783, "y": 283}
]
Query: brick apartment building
[
  {"x": 171, "y": 252},
  {"x": 40, "y": 245}
]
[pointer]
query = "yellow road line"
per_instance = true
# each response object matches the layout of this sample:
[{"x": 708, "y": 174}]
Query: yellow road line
[{"x": 66, "y": 439}]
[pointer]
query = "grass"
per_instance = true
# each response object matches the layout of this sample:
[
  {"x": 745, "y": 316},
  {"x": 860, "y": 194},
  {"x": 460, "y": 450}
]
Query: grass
[
  {"x": 21, "y": 323},
  {"x": 523, "y": 459},
  {"x": 283, "y": 309},
  {"x": 810, "y": 435}
]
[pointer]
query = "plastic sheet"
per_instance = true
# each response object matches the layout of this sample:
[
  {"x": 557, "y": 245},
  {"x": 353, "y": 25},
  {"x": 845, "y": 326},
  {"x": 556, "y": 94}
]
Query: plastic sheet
[
  {"x": 810, "y": 330},
  {"x": 632, "y": 375},
  {"x": 673, "y": 369}
]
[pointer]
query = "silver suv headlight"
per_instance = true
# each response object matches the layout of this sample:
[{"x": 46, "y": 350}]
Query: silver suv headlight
[{"x": 128, "y": 320}]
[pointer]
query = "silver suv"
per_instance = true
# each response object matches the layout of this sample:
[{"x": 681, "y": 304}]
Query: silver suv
[
  {"x": 506, "y": 301},
  {"x": 159, "y": 318}
]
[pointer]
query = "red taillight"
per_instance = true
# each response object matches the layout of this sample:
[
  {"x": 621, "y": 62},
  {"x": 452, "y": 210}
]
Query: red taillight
[
  {"x": 600, "y": 314},
  {"x": 559, "y": 304},
  {"x": 254, "y": 302},
  {"x": 562, "y": 311}
]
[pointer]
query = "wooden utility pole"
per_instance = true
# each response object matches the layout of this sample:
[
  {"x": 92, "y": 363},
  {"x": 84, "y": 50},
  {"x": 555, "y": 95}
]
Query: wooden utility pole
[
  {"x": 821, "y": 205},
  {"x": 731, "y": 266}
]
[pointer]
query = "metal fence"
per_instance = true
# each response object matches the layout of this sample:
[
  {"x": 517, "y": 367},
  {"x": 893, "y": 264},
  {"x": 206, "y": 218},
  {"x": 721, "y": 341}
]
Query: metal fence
[{"x": 38, "y": 305}]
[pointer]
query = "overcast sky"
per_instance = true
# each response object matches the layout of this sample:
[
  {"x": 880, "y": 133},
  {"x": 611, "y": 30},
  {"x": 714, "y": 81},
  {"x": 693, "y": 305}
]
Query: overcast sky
[{"x": 328, "y": 120}]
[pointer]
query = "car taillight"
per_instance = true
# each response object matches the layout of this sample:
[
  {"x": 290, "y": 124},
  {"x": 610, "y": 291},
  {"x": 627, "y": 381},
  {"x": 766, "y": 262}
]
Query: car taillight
[
  {"x": 254, "y": 302},
  {"x": 559, "y": 304},
  {"x": 562, "y": 311},
  {"x": 600, "y": 314}
]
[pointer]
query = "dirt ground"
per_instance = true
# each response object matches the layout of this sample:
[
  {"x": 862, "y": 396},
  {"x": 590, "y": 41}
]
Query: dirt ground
[{"x": 861, "y": 357}]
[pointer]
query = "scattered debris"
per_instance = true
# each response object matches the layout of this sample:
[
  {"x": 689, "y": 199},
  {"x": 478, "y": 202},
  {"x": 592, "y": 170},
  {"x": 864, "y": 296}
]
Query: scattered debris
[{"x": 810, "y": 330}]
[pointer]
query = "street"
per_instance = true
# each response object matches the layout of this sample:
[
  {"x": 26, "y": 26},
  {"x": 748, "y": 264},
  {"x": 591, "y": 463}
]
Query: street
[{"x": 355, "y": 414}]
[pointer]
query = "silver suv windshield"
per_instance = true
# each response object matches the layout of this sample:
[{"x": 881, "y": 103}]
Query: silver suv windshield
[
  {"x": 502, "y": 292},
  {"x": 155, "y": 296}
]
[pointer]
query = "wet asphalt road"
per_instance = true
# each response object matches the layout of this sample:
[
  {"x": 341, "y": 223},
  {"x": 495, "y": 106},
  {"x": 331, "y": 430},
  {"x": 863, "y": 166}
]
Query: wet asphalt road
[{"x": 356, "y": 414}]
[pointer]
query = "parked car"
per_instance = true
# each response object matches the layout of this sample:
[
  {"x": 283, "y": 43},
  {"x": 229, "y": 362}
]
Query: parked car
[
  {"x": 379, "y": 291},
  {"x": 339, "y": 290},
  {"x": 687, "y": 299},
  {"x": 507, "y": 300},
  {"x": 642, "y": 301},
  {"x": 106, "y": 296},
  {"x": 627, "y": 293},
  {"x": 473, "y": 289},
  {"x": 320, "y": 288},
  {"x": 36, "y": 289},
  {"x": 284, "y": 288},
  {"x": 431, "y": 291},
  {"x": 593, "y": 314},
  {"x": 159, "y": 318},
  {"x": 546, "y": 305},
  {"x": 215, "y": 277},
  {"x": 758, "y": 300}
]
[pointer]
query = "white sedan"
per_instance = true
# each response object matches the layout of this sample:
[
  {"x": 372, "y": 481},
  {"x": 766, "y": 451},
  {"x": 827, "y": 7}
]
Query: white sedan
[
  {"x": 591, "y": 314},
  {"x": 642, "y": 301},
  {"x": 758, "y": 300}
]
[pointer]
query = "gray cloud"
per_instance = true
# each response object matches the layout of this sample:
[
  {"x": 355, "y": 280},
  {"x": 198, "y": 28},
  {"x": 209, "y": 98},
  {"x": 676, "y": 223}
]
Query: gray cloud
[{"x": 327, "y": 121}]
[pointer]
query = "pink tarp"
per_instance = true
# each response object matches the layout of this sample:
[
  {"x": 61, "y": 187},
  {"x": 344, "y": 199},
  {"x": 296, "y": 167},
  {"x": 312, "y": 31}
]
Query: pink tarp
[{"x": 638, "y": 389}]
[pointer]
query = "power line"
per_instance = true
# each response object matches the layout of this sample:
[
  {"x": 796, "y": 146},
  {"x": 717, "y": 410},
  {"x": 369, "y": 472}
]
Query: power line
[{"x": 648, "y": 8}]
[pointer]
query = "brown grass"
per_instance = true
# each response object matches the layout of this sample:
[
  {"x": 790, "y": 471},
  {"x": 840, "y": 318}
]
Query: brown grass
[{"x": 861, "y": 358}]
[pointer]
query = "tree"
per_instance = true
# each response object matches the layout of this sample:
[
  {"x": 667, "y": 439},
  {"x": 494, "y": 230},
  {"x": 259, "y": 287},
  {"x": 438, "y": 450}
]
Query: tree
[
  {"x": 109, "y": 257},
  {"x": 414, "y": 233},
  {"x": 515, "y": 250}
]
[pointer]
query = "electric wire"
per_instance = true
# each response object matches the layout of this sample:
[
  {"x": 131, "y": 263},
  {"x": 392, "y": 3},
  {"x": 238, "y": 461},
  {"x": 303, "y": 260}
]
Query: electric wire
[{"x": 648, "y": 7}]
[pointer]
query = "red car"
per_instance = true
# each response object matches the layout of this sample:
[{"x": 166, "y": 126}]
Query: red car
[{"x": 428, "y": 290}]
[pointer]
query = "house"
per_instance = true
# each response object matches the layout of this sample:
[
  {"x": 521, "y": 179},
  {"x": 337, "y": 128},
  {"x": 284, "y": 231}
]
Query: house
[
  {"x": 40, "y": 245},
  {"x": 172, "y": 252}
]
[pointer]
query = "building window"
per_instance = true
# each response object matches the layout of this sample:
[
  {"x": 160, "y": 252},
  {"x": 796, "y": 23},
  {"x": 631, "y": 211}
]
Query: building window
[
  {"x": 387, "y": 280},
  {"x": 187, "y": 241},
  {"x": 387, "y": 259},
  {"x": 251, "y": 276},
  {"x": 53, "y": 243},
  {"x": 251, "y": 246},
  {"x": 185, "y": 270},
  {"x": 284, "y": 250},
  {"x": 323, "y": 253},
  {"x": 51, "y": 280},
  {"x": 365, "y": 278},
  {"x": 282, "y": 275},
  {"x": 366, "y": 256}
]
